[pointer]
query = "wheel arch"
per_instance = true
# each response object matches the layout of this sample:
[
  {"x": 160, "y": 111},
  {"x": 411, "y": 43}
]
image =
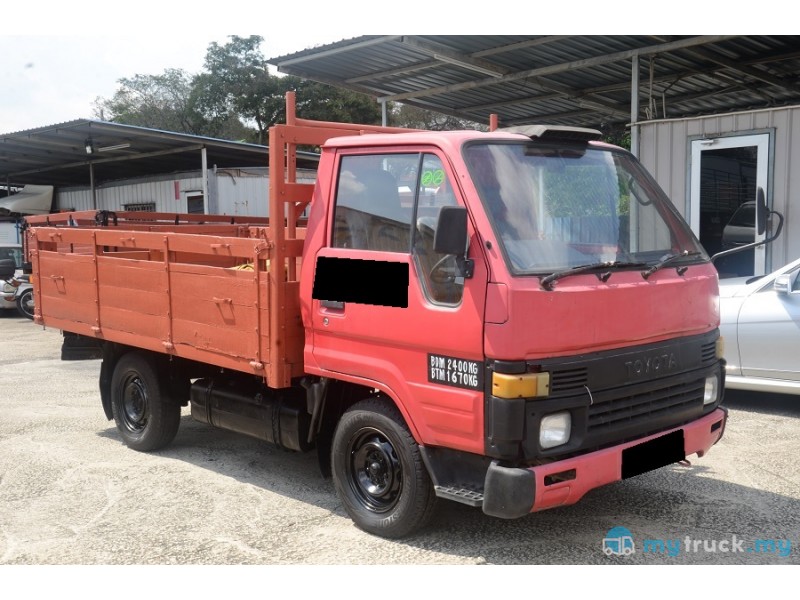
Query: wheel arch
[
  {"x": 174, "y": 372},
  {"x": 340, "y": 395}
]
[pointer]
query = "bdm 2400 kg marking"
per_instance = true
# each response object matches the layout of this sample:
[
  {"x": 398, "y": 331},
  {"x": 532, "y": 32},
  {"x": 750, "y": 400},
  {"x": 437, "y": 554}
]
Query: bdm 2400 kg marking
[{"x": 454, "y": 371}]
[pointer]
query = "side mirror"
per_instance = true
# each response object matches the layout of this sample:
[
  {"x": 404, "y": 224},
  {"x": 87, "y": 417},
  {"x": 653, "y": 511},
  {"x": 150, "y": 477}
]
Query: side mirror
[
  {"x": 762, "y": 212},
  {"x": 451, "y": 231},
  {"x": 783, "y": 284}
]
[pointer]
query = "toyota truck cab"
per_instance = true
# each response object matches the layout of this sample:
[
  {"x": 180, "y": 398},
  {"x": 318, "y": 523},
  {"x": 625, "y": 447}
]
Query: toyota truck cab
[{"x": 545, "y": 319}]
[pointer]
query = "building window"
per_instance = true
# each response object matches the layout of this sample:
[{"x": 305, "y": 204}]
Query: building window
[
  {"x": 140, "y": 207},
  {"x": 195, "y": 205}
]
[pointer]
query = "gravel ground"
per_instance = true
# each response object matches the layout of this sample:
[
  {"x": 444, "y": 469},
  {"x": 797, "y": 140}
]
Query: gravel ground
[{"x": 72, "y": 494}]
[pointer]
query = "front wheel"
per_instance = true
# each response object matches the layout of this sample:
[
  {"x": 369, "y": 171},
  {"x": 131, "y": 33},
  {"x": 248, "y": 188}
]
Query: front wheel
[
  {"x": 25, "y": 303},
  {"x": 146, "y": 417},
  {"x": 378, "y": 471}
]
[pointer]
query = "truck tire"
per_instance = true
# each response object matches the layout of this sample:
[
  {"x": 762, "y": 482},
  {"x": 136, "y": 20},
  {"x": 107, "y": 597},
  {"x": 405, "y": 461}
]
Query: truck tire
[
  {"x": 146, "y": 417},
  {"x": 25, "y": 303},
  {"x": 378, "y": 471}
]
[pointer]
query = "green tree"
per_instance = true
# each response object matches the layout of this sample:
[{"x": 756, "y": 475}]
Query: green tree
[
  {"x": 619, "y": 135},
  {"x": 157, "y": 101},
  {"x": 238, "y": 81},
  {"x": 234, "y": 98},
  {"x": 327, "y": 103},
  {"x": 413, "y": 117},
  {"x": 218, "y": 120}
]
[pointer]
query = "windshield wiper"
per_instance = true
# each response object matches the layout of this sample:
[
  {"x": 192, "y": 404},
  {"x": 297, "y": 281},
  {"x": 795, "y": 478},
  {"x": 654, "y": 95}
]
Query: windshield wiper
[
  {"x": 668, "y": 258},
  {"x": 547, "y": 282}
]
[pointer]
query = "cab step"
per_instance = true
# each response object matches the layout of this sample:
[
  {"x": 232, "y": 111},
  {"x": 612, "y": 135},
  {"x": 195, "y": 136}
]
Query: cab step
[{"x": 470, "y": 497}]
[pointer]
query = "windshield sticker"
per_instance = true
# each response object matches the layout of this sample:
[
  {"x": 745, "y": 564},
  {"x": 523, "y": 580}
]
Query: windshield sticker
[
  {"x": 432, "y": 178},
  {"x": 457, "y": 372}
]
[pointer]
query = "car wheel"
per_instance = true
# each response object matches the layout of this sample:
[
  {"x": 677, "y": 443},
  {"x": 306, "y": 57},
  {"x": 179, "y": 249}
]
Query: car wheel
[
  {"x": 25, "y": 303},
  {"x": 146, "y": 417},
  {"x": 378, "y": 471}
]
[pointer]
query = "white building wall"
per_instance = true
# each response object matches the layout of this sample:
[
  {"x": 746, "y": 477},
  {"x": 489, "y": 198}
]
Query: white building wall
[
  {"x": 242, "y": 192},
  {"x": 116, "y": 195},
  {"x": 665, "y": 152},
  {"x": 246, "y": 192}
]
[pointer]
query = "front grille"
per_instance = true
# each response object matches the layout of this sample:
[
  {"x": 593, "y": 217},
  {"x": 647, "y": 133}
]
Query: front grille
[
  {"x": 568, "y": 380},
  {"x": 708, "y": 353},
  {"x": 615, "y": 396},
  {"x": 629, "y": 411}
]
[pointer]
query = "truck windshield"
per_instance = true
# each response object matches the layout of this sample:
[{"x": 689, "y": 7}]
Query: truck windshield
[{"x": 555, "y": 208}]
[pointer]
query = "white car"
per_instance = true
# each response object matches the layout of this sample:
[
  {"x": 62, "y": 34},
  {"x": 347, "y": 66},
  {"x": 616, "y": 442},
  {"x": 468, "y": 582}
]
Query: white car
[
  {"x": 11, "y": 266},
  {"x": 761, "y": 330}
]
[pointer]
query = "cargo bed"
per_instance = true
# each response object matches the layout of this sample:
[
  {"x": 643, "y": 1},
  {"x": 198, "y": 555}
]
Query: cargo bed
[{"x": 171, "y": 284}]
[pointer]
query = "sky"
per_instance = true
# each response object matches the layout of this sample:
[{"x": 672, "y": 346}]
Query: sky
[
  {"x": 56, "y": 78},
  {"x": 57, "y": 58}
]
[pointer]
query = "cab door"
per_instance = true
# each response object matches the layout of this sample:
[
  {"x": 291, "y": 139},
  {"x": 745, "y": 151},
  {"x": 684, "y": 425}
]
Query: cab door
[{"x": 388, "y": 311}]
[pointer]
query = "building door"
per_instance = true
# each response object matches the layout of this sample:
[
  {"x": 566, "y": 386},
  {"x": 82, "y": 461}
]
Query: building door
[{"x": 725, "y": 174}]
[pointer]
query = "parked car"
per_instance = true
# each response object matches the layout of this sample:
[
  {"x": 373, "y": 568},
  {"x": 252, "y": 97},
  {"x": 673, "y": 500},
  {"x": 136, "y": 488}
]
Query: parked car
[
  {"x": 11, "y": 279},
  {"x": 761, "y": 329},
  {"x": 17, "y": 292}
]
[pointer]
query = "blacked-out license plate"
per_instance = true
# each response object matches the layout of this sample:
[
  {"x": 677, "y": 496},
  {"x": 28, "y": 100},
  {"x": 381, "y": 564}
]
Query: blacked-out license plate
[{"x": 654, "y": 454}]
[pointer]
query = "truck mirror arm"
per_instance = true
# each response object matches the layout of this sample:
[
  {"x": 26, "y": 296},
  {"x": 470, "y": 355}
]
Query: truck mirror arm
[{"x": 768, "y": 240}]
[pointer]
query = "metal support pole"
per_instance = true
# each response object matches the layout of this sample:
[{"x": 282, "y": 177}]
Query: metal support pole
[
  {"x": 635, "y": 105},
  {"x": 204, "y": 160},
  {"x": 91, "y": 186},
  {"x": 384, "y": 114}
]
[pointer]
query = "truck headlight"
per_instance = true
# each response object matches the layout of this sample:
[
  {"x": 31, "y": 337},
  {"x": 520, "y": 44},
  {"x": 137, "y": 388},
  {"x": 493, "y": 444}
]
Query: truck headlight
[
  {"x": 711, "y": 390},
  {"x": 555, "y": 429}
]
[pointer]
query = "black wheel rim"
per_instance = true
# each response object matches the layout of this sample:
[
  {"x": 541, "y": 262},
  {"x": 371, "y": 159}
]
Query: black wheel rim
[
  {"x": 374, "y": 473},
  {"x": 134, "y": 404}
]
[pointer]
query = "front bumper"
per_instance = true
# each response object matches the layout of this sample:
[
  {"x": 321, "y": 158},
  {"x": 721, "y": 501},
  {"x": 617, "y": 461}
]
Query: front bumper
[{"x": 511, "y": 492}]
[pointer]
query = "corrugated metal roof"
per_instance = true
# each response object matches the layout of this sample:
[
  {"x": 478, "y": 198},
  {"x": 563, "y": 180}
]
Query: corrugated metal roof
[
  {"x": 570, "y": 80},
  {"x": 56, "y": 154}
]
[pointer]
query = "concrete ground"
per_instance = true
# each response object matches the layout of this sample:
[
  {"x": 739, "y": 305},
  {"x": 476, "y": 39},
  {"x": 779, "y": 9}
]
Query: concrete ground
[{"x": 72, "y": 494}]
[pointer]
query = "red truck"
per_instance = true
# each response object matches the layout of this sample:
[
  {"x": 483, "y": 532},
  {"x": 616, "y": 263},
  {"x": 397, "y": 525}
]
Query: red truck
[{"x": 506, "y": 319}]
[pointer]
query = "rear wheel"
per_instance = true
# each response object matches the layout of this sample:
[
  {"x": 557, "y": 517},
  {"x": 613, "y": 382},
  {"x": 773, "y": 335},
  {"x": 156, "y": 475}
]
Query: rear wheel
[
  {"x": 145, "y": 415},
  {"x": 25, "y": 303},
  {"x": 378, "y": 471}
]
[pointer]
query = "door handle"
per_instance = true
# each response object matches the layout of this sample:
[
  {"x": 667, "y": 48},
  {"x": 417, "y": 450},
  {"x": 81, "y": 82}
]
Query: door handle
[{"x": 332, "y": 304}]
